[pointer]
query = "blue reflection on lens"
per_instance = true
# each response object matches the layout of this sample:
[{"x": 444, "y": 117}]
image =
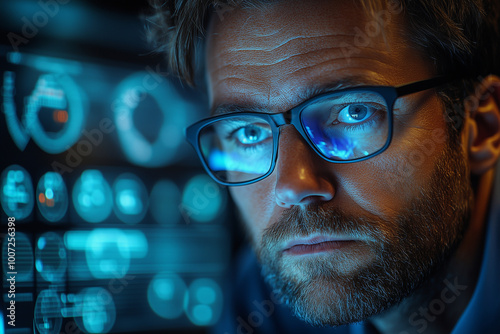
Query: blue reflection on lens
[
  {"x": 204, "y": 303},
  {"x": 222, "y": 161},
  {"x": 131, "y": 198},
  {"x": 92, "y": 196},
  {"x": 24, "y": 257},
  {"x": 16, "y": 192},
  {"x": 48, "y": 317},
  {"x": 51, "y": 260},
  {"x": 202, "y": 199},
  {"x": 52, "y": 196},
  {"x": 166, "y": 294},
  {"x": 166, "y": 202},
  {"x": 341, "y": 148},
  {"x": 98, "y": 311}
]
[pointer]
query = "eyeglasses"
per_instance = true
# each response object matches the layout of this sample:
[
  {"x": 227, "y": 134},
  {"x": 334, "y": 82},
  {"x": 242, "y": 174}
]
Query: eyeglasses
[{"x": 344, "y": 126}]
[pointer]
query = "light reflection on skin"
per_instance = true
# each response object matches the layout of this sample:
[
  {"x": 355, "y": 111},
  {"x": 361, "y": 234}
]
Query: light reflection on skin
[{"x": 267, "y": 72}]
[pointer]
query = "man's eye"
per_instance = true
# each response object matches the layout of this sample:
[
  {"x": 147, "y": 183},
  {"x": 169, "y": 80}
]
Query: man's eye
[
  {"x": 355, "y": 113},
  {"x": 251, "y": 134}
]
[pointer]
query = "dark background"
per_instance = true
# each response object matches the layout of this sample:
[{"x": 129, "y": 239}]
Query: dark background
[{"x": 157, "y": 271}]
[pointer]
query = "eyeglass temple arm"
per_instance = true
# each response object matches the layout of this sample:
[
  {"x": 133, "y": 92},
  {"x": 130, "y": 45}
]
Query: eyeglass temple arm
[{"x": 422, "y": 85}]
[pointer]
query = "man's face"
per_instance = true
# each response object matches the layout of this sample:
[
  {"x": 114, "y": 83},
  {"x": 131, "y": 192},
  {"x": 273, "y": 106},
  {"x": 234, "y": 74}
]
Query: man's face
[{"x": 340, "y": 242}]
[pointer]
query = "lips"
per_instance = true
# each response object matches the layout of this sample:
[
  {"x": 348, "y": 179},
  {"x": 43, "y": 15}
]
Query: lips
[{"x": 318, "y": 244}]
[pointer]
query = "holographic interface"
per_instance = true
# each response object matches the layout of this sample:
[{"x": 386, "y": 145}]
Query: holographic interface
[{"x": 117, "y": 228}]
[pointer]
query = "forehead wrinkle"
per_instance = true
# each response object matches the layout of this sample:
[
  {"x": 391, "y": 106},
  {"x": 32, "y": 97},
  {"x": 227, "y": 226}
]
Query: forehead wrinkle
[
  {"x": 321, "y": 57},
  {"x": 334, "y": 65},
  {"x": 242, "y": 87},
  {"x": 265, "y": 41},
  {"x": 279, "y": 98},
  {"x": 287, "y": 48}
]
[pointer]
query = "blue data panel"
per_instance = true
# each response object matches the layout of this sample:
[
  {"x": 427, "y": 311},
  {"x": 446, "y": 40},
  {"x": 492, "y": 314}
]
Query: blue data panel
[
  {"x": 17, "y": 197},
  {"x": 52, "y": 197},
  {"x": 117, "y": 228}
]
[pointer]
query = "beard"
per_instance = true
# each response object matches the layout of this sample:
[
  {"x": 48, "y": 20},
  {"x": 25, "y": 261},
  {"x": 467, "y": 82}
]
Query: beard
[{"x": 392, "y": 260}]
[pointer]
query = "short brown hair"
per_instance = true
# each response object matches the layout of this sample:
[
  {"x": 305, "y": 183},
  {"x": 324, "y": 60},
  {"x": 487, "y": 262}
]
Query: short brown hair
[{"x": 459, "y": 37}]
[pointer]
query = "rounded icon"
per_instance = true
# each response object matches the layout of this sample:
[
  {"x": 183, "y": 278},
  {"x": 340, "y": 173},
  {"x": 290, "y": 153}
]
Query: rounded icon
[
  {"x": 23, "y": 257},
  {"x": 48, "y": 318},
  {"x": 158, "y": 95},
  {"x": 166, "y": 294},
  {"x": 165, "y": 202},
  {"x": 204, "y": 303},
  {"x": 92, "y": 196},
  {"x": 16, "y": 192},
  {"x": 98, "y": 311},
  {"x": 52, "y": 196},
  {"x": 64, "y": 98},
  {"x": 50, "y": 257},
  {"x": 202, "y": 199},
  {"x": 130, "y": 198}
]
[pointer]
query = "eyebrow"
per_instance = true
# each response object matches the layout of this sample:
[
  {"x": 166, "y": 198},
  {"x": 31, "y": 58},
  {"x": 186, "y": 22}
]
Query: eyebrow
[{"x": 306, "y": 94}]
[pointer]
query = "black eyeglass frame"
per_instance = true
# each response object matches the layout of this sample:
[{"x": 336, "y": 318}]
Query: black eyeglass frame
[{"x": 292, "y": 116}]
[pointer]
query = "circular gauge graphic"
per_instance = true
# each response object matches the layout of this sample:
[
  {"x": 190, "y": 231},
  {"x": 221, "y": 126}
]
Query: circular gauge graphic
[
  {"x": 48, "y": 317},
  {"x": 23, "y": 257},
  {"x": 98, "y": 311},
  {"x": 130, "y": 198},
  {"x": 202, "y": 199},
  {"x": 150, "y": 116},
  {"x": 92, "y": 196},
  {"x": 54, "y": 112},
  {"x": 50, "y": 257},
  {"x": 165, "y": 202},
  {"x": 204, "y": 303},
  {"x": 16, "y": 192},
  {"x": 52, "y": 196},
  {"x": 166, "y": 294}
]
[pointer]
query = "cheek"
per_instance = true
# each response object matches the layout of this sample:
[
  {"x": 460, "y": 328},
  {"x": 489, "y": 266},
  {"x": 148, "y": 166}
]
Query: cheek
[
  {"x": 255, "y": 204},
  {"x": 398, "y": 175}
]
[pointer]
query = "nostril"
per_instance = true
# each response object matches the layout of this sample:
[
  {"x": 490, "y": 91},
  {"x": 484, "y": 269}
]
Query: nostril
[{"x": 303, "y": 192}]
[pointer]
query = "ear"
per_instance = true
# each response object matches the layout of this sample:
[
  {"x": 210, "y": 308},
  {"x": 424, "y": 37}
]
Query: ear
[{"x": 483, "y": 125}]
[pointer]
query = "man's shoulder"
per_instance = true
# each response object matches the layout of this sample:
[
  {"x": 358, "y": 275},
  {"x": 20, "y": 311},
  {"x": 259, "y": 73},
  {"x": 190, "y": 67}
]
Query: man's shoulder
[{"x": 481, "y": 315}]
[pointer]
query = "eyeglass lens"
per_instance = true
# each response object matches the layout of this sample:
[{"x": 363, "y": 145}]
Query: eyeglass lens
[{"x": 342, "y": 127}]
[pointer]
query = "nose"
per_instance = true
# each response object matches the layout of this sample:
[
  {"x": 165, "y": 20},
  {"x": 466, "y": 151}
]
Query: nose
[{"x": 302, "y": 177}]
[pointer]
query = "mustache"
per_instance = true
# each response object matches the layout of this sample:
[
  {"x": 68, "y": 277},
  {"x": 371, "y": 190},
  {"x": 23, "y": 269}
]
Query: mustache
[{"x": 317, "y": 219}]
